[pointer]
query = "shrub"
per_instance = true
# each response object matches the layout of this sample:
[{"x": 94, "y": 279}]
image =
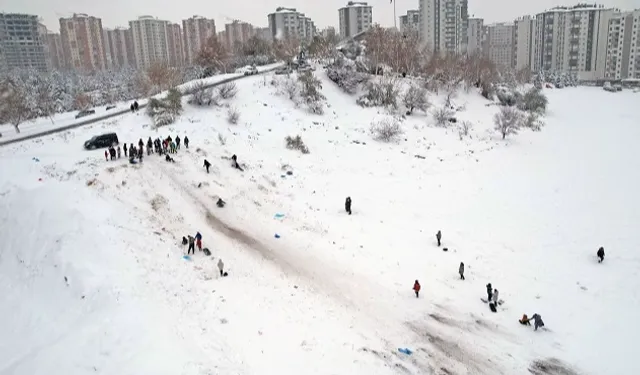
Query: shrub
[
  {"x": 383, "y": 93},
  {"x": 463, "y": 129},
  {"x": 228, "y": 90},
  {"x": 508, "y": 121},
  {"x": 173, "y": 101},
  {"x": 296, "y": 143},
  {"x": 233, "y": 116},
  {"x": 508, "y": 96},
  {"x": 532, "y": 121},
  {"x": 343, "y": 72},
  {"x": 416, "y": 98},
  {"x": 200, "y": 94},
  {"x": 442, "y": 116},
  {"x": 534, "y": 100},
  {"x": 310, "y": 91},
  {"x": 386, "y": 130}
]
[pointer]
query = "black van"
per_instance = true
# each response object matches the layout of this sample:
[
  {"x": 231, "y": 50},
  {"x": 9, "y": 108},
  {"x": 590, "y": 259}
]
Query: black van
[{"x": 102, "y": 141}]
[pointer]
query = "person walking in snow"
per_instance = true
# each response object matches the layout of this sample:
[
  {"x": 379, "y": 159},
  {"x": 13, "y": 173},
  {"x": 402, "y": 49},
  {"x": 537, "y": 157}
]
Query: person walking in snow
[
  {"x": 489, "y": 292},
  {"x": 416, "y": 288},
  {"x": 235, "y": 164},
  {"x": 347, "y": 205},
  {"x": 149, "y": 146},
  {"x": 118, "y": 152},
  {"x": 192, "y": 248},
  {"x": 495, "y": 297},
  {"x": 438, "y": 237},
  {"x": 207, "y": 164},
  {"x": 140, "y": 144},
  {"x": 173, "y": 147},
  {"x": 112, "y": 153},
  {"x": 106, "y": 155},
  {"x": 136, "y": 106},
  {"x": 221, "y": 267},
  {"x": 178, "y": 142},
  {"x": 537, "y": 321},
  {"x": 131, "y": 107},
  {"x": 132, "y": 150},
  {"x": 124, "y": 148},
  {"x": 600, "y": 254},
  {"x": 199, "y": 243},
  {"x": 140, "y": 153},
  {"x": 186, "y": 141},
  {"x": 461, "y": 270}
]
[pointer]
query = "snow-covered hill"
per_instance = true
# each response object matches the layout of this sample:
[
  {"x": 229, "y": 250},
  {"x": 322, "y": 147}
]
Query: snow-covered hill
[{"x": 93, "y": 278}]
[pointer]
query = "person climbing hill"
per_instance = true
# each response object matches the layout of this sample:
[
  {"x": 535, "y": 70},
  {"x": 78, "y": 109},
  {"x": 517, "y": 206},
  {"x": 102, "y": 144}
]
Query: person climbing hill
[
  {"x": 600, "y": 254},
  {"x": 207, "y": 164},
  {"x": 416, "y": 288},
  {"x": 347, "y": 205},
  {"x": 537, "y": 321},
  {"x": 525, "y": 320},
  {"x": 461, "y": 270},
  {"x": 438, "y": 237}
]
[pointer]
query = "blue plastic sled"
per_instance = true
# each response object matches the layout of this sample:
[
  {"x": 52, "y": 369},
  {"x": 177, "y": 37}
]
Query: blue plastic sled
[
  {"x": 405, "y": 351},
  {"x": 278, "y": 216},
  {"x": 186, "y": 257},
  {"x": 277, "y": 235}
]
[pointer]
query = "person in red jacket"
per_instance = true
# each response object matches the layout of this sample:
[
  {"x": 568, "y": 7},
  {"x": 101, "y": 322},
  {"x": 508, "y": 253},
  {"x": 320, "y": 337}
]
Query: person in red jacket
[
  {"x": 199, "y": 244},
  {"x": 416, "y": 288}
]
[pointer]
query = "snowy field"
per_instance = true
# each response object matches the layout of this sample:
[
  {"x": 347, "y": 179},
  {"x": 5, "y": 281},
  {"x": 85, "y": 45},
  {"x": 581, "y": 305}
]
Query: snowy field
[
  {"x": 60, "y": 120},
  {"x": 93, "y": 279}
]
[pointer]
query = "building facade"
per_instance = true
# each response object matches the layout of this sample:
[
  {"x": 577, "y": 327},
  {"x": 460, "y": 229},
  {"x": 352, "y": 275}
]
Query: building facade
[
  {"x": 573, "y": 40},
  {"x": 56, "y": 52},
  {"x": 499, "y": 44},
  {"x": 119, "y": 44},
  {"x": 524, "y": 42},
  {"x": 443, "y": 25},
  {"x": 23, "y": 43},
  {"x": 237, "y": 33},
  {"x": 410, "y": 21},
  {"x": 196, "y": 30},
  {"x": 475, "y": 36},
  {"x": 354, "y": 18},
  {"x": 623, "y": 46},
  {"x": 150, "y": 41},
  {"x": 288, "y": 23},
  {"x": 83, "y": 42},
  {"x": 175, "y": 43}
]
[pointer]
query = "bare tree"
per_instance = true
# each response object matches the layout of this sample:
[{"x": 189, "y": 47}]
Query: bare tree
[
  {"x": 380, "y": 93},
  {"x": 508, "y": 121},
  {"x": 416, "y": 98},
  {"x": 285, "y": 49},
  {"x": 387, "y": 130},
  {"x": 162, "y": 77},
  {"x": 464, "y": 127},
  {"x": 227, "y": 90},
  {"x": 82, "y": 101},
  {"x": 200, "y": 94},
  {"x": 213, "y": 55},
  {"x": 13, "y": 105},
  {"x": 442, "y": 116}
]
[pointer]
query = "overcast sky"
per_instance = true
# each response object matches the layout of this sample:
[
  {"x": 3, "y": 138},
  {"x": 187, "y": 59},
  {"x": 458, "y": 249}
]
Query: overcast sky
[{"x": 323, "y": 12}]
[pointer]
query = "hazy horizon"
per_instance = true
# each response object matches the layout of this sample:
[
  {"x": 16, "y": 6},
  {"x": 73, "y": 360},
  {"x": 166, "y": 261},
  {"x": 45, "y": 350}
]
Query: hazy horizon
[{"x": 118, "y": 13}]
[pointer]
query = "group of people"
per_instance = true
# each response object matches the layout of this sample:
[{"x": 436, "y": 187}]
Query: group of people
[
  {"x": 134, "y": 107},
  {"x": 196, "y": 241},
  {"x": 234, "y": 164},
  {"x": 161, "y": 147}
]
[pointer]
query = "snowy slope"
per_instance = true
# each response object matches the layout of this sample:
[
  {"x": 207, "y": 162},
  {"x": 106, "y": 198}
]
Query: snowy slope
[{"x": 332, "y": 295}]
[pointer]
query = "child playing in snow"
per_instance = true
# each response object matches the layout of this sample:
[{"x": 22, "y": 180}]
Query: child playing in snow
[{"x": 416, "y": 288}]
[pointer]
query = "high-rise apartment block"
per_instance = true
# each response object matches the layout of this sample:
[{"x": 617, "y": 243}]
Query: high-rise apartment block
[
  {"x": 82, "y": 42},
  {"x": 237, "y": 32},
  {"x": 119, "y": 45},
  {"x": 410, "y": 21},
  {"x": 175, "y": 43},
  {"x": 524, "y": 39},
  {"x": 475, "y": 36},
  {"x": 56, "y": 52},
  {"x": 443, "y": 25},
  {"x": 150, "y": 41},
  {"x": 355, "y": 18},
  {"x": 573, "y": 40},
  {"x": 288, "y": 23},
  {"x": 499, "y": 44},
  {"x": 623, "y": 46},
  {"x": 196, "y": 30},
  {"x": 22, "y": 42}
]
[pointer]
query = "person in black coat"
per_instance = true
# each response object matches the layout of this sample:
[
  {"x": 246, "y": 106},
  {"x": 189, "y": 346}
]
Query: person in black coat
[
  {"x": 132, "y": 108},
  {"x": 135, "y": 105},
  {"x": 207, "y": 164},
  {"x": 600, "y": 254},
  {"x": 186, "y": 141},
  {"x": 347, "y": 205},
  {"x": 124, "y": 148},
  {"x": 461, "y": 270},
  {"x": 235, "y": 164},
  {"x": 439, "y": 237},
  {"x": 489, "y": 292},
  {"x": 178, "y": 142}
]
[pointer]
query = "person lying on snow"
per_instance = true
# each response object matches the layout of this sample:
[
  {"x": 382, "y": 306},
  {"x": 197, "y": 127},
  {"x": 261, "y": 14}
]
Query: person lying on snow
[
  {"x": 169, "y": 159},
  {"x": 525, "y": 320}
]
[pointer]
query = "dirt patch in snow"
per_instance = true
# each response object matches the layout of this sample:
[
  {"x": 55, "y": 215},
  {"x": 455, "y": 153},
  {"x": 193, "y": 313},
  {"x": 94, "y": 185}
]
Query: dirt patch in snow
[
  {"x": 550, "y": 366},
  {"x": 158, "y": 202}
]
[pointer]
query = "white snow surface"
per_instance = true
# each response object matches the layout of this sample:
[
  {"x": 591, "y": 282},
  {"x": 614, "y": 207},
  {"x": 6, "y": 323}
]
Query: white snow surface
[{"x": 93, "y": 281}]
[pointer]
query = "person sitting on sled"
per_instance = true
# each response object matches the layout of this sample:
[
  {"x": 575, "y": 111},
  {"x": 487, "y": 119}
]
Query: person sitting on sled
[{"x": 525, "y": 320}]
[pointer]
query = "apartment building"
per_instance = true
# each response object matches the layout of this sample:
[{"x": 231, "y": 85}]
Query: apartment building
[
  {"x": 354, "y": 18},
  {"x": 623, "y": 46},
  {"x": 524, "y": 42},
  {"x": 263, "y": 33},
  {"x": 443, "y": 25},
  {"x": 410, "y": 21},
  {"x": 237, "y": 32},
  {"x": 329, "y": 32},
  {"x": 56, "y": 52},
  {"x": 573, "y": 40},
  {"x": 83, "y": 42},
  {"x": 175, "y": 43},
  {"x": 196, "y": 30},
  {"x": 150, "y": 41},
  {"x": 23, "y": 43},
  {"x": 288, "y": 23},
  {"x": 499, "y": 44},
  {"x": 119, "y": 45},
  {"x": 475, "y": 36}
]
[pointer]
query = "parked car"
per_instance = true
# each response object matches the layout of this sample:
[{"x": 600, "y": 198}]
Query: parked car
[
  {"x": 110, "y": 107},
  {"x": 86, "y": 112},
  {"x": 251, "y": 71},
  {"x": 608, "y": 87},
  {"x": 102, "y": 141}
]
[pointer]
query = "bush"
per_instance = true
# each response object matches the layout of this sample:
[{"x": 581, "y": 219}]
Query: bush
[
  {"x": 532, "y": 121},
  {"x": 464, "y": 127},
  {"x": 508, "y": 96},
  {"x": 386, "y": 130},
  {"x": 173, "y": 101},
  {"x": 383, "y": 93},
  {"x": 296, "y": 143},
  {"x": 228, "y": 90},
  {"x": 416, "y": 98},
  {"x": 508, "y": 121},
  {"x": 442, "y": 116},
  {"x": 200, "y": 94},
  {"x": 534, "y": 100},
  {"x": 310, "y": 92},
  {"x": 233, "y": 116},
  {"x": 345, "y": 74}
]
